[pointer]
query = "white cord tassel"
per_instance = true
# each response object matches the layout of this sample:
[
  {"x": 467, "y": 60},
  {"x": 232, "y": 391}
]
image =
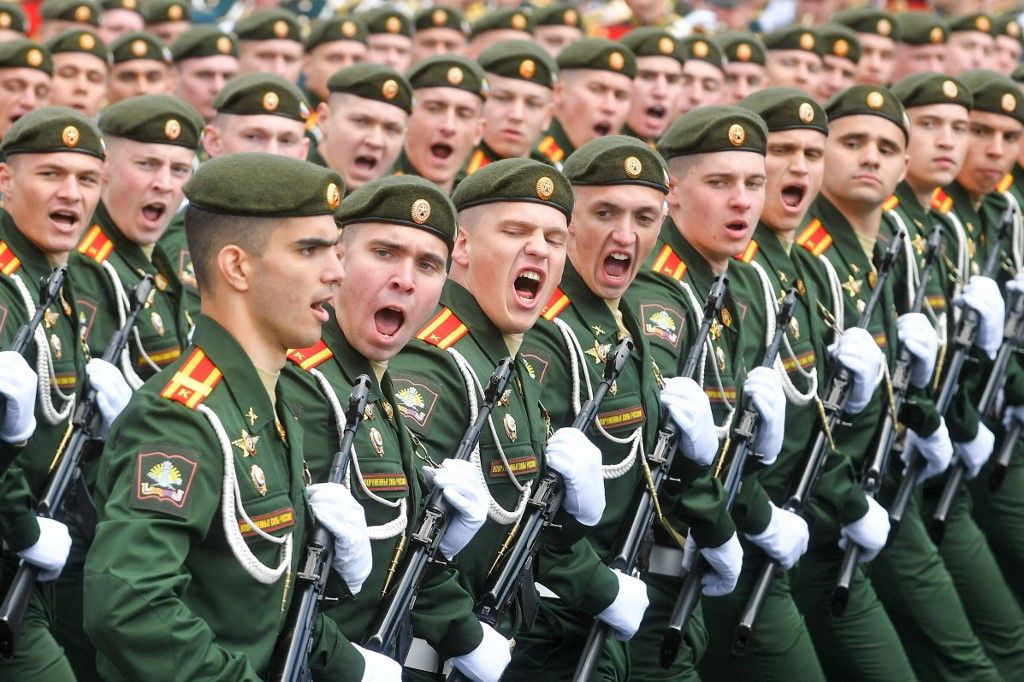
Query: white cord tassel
[{"x": 44, "y": 365}]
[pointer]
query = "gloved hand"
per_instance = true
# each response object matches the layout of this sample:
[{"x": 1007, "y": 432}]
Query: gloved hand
[
  {"x": 112, "y": 391},
  {"x": 690, "y": 409},
  {"x": 1016, "y": 285},
  {"x": 378, "y": 667},
  {"x": 488, "y": 660},
  {"x": 982, "y": 294},
  {"x": 467, "y": 494},
  {"x": 785, "y": 538},
  {"x": 724, "y": 564},
  {"x": 870, "y": 532},
  {"x": 18, "y": 384},
  {"x": 334, "y": 507},
  {"x": 857, "y": 351},
  {"x": 625, "y": 613},
  {"x": 975, "y": 453},
  {"x": 919, "y": 338},
  {"x": 51, "y": 549},
  {"x": 1011, "y": 414},
  {"x": 572, "y": 455},
  {"x": 936, "y": 449},
  {"x": 764, "y": 387}
]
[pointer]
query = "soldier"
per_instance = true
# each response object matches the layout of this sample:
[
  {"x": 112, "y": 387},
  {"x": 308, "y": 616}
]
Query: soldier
[
  {"x": 557, "y": 26},
  {"x": 842, "y": 52},
  {"x": 438, "y": 31},
  {"x": 1008, "y": 46},
  {"x": 920, "y": 43},
  {"x": 167, "y": 19},
  {"x": 51, "y": 180},
  {"x": 205, "y": 59},
  {"x": 119, "y": 17},
  {"x": 60, "y": 15},
  {"x": 640, "y": 13},
  {"x": 497, "y": 26},
  {"x": 703, "y": 74},
  {"x": 593, "y": 99},
  {"x": 971, "y": 44},
  {"x": 395, "y": 243},
  {"x": 13, "y": 22},
  {"x": 745, "y": 56},
  {"x": 658, "y": 85},
  {"x": 81, "y": 66},
  {"x": 388, "y": 37},
  {"x": 270, "y": 40},
  {"x": 794, "y": 58},
  {"x": 446, "y": 122},
  {"x": 140, "y": 65},
  {"x": 874, "y": 29},
  {"x": 332, "y": 45},
  {"x": 25, "y": 72}
]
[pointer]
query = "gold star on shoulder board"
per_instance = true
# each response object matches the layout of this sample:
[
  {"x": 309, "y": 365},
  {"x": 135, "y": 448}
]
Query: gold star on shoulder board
[
  {"x": 599, "y": 352},
  {"x": 247, "y": 444}
]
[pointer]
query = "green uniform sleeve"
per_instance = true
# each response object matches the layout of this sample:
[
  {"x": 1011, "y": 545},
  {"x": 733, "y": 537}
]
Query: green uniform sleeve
[
  {"x": 443, "y": 615},
  {"x": 578, "y": 576}
]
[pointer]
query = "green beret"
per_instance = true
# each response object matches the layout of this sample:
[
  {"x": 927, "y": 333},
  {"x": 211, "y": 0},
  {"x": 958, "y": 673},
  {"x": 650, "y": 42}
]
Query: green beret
[
  {"x": 439, "y": 16},
  {"x": 616, "y": 160},
  {"x": 510, "y": 18},
  {"x": 787, "y": 109},
  {"x": 373, "y": 81},
  {"x": 1007, "y": 25},
  {"x": 794, "y": 38},
  {"x": 160, "y": 119},
  {"x": 252, "y": 94},
  {"x": 703, "y": 49},
  {"x": 79, "y": 11},
  {"x": 387, "y": 20},
  {"x": 740, "y": 46},
  {"x": 264, "y": 186},
  {"x": 515, "y": 180},
  {"x": 12, "y": 17},
  {"x": 22, "y": 53},
  {"x": 921, "y": 28},
  {"x": 53, "y": 129},
  {"x": 138, "y": 45},
  {"x": 78, "y": 40},
  {"x": 272, "y": 23},
  {"x": 204, "y": 40},
  {"x": 521, "y": 59},
  {"x": 600, "y": 54},
  {"x": 449, "y": 71},
  {"x": 558, "y": 14},
  {"x": 995, "y": 93},
  {"x": 839, "y": 41},
  {"x": 129, "y": 5},
  {"x": 869, "y": 100},
  {"x": 1018, "y": 73},
  {"x": 867, "y": 20},
  {"x": 716, "y": 128},
  {"x": 337, "y": 28},
  {"x": 401, "y": 200},
  {"x": 921, "y": 89},
  {"x": 161, "y": 11},
  {"x": 652, "y": 41},
  {"x": 971, "y": 22}
]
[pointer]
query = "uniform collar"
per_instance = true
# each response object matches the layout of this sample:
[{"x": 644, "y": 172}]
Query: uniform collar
[
  {"x": 844, "y": 238},
  {"x": 590, "y": 306},
  {"x": 34, "y": 262},
  {"x": 558, "y": 132},
  {"x": 350, "y": 362},
  {"x": 698, "y": 270},
  {"x": 910, "y": 204},
  {"x": 483, "y": 331}
]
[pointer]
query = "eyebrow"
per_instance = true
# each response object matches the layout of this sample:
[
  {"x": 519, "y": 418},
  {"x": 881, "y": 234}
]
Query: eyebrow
[
  {"x": 396, "y": 246},
  {"x": 314, "y": 242}
]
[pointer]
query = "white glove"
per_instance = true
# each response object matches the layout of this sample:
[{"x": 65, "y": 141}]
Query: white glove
[
  {"x": 975, "y": 453},
  {"x": 982, "y": 294},
  {"x": 764, "y": 387},
  {"x": 870, "y": 532},
  {"x": 1012, "y": 413},
  {"x": 785, "y": 538},
  {"x": 112, "y": 391},
  {"x": 1016, "y": 284},
  {"x": 936, "y": 449},
  {"x": 578, "y": 461},
  {"x": 690, "y": 409},
  {"x": 334, "y": 507},
  {"x": 488, "y": 660},
  {"x": 378, "y": 667},
  {"x": 466, "y": 492},
  {"x": 625, "y": 613},
  {"x": 51, "y": 549},
  {"x": 18, "y": 384},
  {"x": 922, "y": 342},
  {"x": 857, "y": 351},
  {"x": 724, "y": 564}
]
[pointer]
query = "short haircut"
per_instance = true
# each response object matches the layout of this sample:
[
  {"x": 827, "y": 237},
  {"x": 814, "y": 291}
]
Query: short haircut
[{"x": 208, "y": 232}]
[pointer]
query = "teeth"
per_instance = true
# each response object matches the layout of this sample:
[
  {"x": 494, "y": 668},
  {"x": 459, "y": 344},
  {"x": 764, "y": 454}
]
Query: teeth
[
  {"x": 531, "y": 275},
  {"x": 620, "y": 256}
]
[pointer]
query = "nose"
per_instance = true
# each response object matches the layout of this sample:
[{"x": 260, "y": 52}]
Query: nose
[
  {"x": 660, "y": 86},
  {"x": 517, "y": 111},
  {"x": 332, "y": 271},
  {"x": 741, "y": 199},
  {"x": 537, "y": 246},
  {"x": 799, "y": 165},
  {"x": 624, "y": 233},
  {"x": 448, "y": 122},
  {"x": 375, "y": 137},
  {"x": 608, "y": 102},
  {"x": 996, "y": 147},
  {"x": 945, "y": 137},
  {"x": 402, "y": 277},
  {"x": 70, "y": 190},
  {"x": 162, "y": 178}
]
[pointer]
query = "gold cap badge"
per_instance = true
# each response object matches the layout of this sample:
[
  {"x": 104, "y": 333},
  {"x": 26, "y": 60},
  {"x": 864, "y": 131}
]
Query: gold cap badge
[
  {"x": 270, "y": 101},
  {"x": 616, "y": 61},
  {"x": 527, "y": 69},
  {"x": 70, "y": 136},
  {"x": 393, "y": 25},
  {"x": 389, "y": 89},
  {"x": 545, "y": 187},
  {"x": 884, "y": 27},
  {"x": 1008, "y": 102},
  {"x": 666, "y": 45},
  {"x": 632, "y": 166},
  {"x": 983, "y": 24},
  {"x": 949, "y": 89},
  {"x": 744, "y": 52},
  {"x": 86, "y": 41},
  {"x": 518, "y": 22},
  {"x": 34, "y": 57},
  {"x": 420, "y": 211},
  {"x": 455, "y": 75},
  {"x": 281, "y": 28},
  {"x": 841, "y": 48},
  {"x": 83, "y": 14},
  {"x": 936, "y": 35},
  {"x": 223, "y": 44},
  {"x": 806, "y": 41},
  {"x": 175, "y": 13},
  {"x": 875, "y": 99},
  {"x": 333, "y": 196},
  {"x": 806, "y": 112},
  {"x": 172, "y": 129},
  {"x": 348, "y": 29},
  {"x": 5, "y": 19},
  {"x": 700, "y": 49},
  {"x": 439, "y": 16},
  {"x": 737, "y": 134},
  {"x": 570, "y": 17},
  {"x": 138, "y": 48}
]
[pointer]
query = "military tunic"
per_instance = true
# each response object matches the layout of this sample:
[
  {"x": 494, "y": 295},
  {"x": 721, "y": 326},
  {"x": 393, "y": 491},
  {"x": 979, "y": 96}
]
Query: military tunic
[
  {"x": 484, "y": 155},
  {"x": 554, "y": 145},
  {"x": 404, "y": 166}
]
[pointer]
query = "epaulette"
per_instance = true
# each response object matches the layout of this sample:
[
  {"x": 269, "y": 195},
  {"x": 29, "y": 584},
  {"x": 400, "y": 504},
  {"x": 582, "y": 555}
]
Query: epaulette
[
  {"x": 444, "y": 330},
  {"x": 1006, "y": 183},
  {"x": 669, "y": 263},
  {"x": 549, "y": 148},
  {"x": 941, "y": 201},
  {"x": 555, "y": 305},
  {"x": 748, "y": 253},
  {"x": 9, "y": 263},
  {"x": 308, "y": 358},
  {"x": 477, "y": 161},
  {"x": 891, "y": 203},
  {"x": 815, "y": 238},
  {"x": 96, "y": 245},
  {"x": 193, "y": 383}
]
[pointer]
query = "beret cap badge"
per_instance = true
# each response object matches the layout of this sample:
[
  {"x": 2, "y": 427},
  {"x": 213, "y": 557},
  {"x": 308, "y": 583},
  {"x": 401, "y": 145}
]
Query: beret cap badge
[
  {"x": 138, "y": 48},
  {"x": 280, "y": 28},
  {"x": 86, "y": 41},
  {"x": 224, "y": 45},
  {"x": 172, "y": 129},
  {"x": 70, "y": 136},
  {"x": 83, "y": 13},
  {"x": 632, "y": 166},
  {"x": 841, "y": 48},
  {"x": 420, "y": 211},
  {"x": 5, "y": 20},
  {"x": 666, "y": 45},
  {"x": 527, "y": 69},
  {"x": 518, "y": 22},
  {"x": 393, "y": 25},
  {"x": 545, "y": 187},
  {"x": 949, "y": 89},
  {"x": 875, "y": 99},
  {"x": 175, "y": 13},
  {"x": 983, "y": 24},
  {"x": 936, "y": 35},
  {"x": 1008, "y": 102},
  {"x": 271, "y": 101},
  {"x": 884, "y": 27},
  {"x": 455, "y": 75},
  {"x": 389, "y": 89},
  {"x": 34, "y": 57},
  {"x": 439, "y": 17},
  {"x": 744, "y": 52},
  {"x": 616, "y": 61},
  {"x": 333, "y": 196},
  {"x": 737, "y": 134},
  {"x": 806, "y": 112},
  {"x": 807, "y": 41},
  {"x": 571, "y": 18}
]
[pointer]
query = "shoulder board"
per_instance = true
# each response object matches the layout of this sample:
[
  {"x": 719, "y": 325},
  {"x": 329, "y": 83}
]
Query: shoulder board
[
  {"x": 555, "y": 305},
  {"x": 444, "y": 330},
  {"x": 1005, "y": 184},
  {"x": 815, "y": 238},
  {"x": 941, "y": 201},
  {"x": 308, "y": 358},
  {"x": 193, "y": 383},
  {"x": 891, "y": 203},
  {"x": 312, "y": 121},
  {"x": 95, "y": 244},
  {"x": 477, "y": 161},
  {"x": 748, "y": 254},
  {"x": 669, "y": 263},
  {"x": 549, "y": 148},
  {"x": 9, "y": 263}
]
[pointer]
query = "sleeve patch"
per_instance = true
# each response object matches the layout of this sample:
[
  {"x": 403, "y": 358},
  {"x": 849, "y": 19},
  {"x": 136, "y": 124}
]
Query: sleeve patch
[
  {"x": 662, "y": 322},
  {"x": 163, "y": 482},
  {"x": 415, "y": 400}
]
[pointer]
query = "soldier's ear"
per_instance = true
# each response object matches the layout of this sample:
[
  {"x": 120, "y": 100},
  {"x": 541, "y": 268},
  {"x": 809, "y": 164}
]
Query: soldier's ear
[
  {"x": 212, "y": 140},
  {"x": 234, "y": 267},
  {"x": 323, "y": 113},
  {"x": 6, "y": 176},
  {"x": 460, "y": 250}
]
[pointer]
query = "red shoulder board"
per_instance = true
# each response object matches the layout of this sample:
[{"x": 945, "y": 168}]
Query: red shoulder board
[
  {"x": 549, "y": 148},
  {"x": 1005, "y": 184},
  {"x": 9, "y": 263},
  {"x": 96, "y": 245},
  {"x": 193, "y": 383},
  {"x": 891, "y": 203},
  {"x": 555, "y": 305},
  {"x": 308, "y": 358},
  {"x": 941, "y": 201},
  {"x": 444, "y": 330},
  {"x": 477, "y": 161},
  {"x": 312, "y": 121},
  {"x": 748, "y": 254},
  {"x": 669, "y": 263},
  {"x": 815, "y": 238}
]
